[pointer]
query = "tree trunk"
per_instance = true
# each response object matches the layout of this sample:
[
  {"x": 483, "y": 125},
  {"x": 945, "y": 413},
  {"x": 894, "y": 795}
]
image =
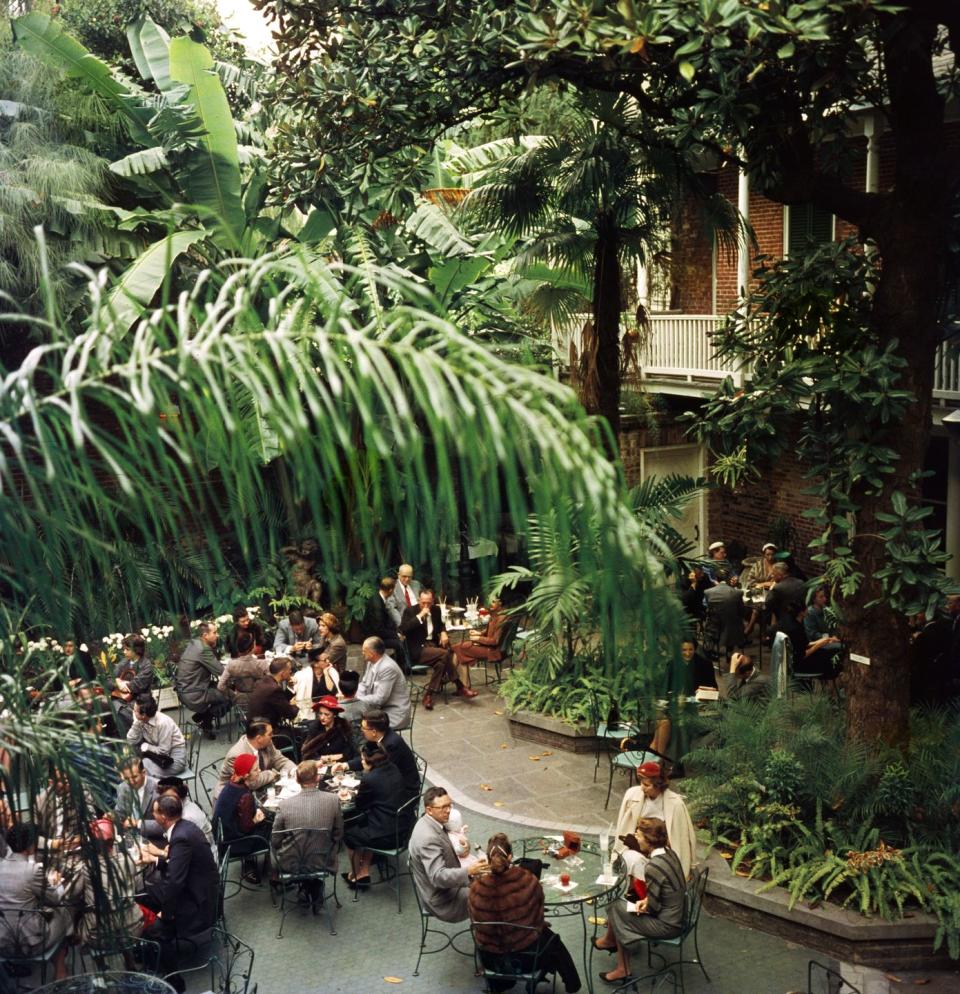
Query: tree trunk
[
  {"x": 912, "y": 247},
  {"x": 600, "y": 391}
]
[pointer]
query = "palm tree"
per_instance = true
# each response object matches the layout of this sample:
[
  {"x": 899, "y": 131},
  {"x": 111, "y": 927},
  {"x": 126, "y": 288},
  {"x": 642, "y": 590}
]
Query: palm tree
[{"x": 585, "y": 199}]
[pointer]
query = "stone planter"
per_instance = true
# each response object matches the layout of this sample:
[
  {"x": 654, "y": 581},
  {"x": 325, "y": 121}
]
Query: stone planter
[
  {"x": 845, "y": 935},
  {"x": 553, "y": 732}
]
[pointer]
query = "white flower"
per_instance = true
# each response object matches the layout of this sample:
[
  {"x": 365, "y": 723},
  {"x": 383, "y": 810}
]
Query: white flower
[
  {"x": 253, "y": 610},
  {"x": 224, "y": 618},
  {"x": 83, "y": 647},
  {"x": 144, "y": 632}
]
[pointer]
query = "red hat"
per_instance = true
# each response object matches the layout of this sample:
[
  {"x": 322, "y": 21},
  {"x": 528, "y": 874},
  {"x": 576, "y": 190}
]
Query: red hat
[
  {"x": 329, "y": 702},
  {"x": 102, "y": 829},
  {"x": 649, "y": 770},
  {"x": 244, "y": 763}
]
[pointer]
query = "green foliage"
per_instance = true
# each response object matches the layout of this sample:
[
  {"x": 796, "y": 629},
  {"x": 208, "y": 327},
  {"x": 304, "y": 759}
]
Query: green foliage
[
  {"x": 799, "y": 804},
  {"x": 825, "y": 384},
  {"x": 100, "y": 25}
]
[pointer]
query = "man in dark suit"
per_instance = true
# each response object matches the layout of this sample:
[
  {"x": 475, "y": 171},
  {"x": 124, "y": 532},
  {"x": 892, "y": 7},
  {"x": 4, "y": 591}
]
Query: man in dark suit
[
  {"x": 186, "y": 890},
  {"x": 375, "y": 728},
  {"x": 269, "y": 699},
  {"x": 195, "y": 673},
  {"x": 378, "y": 622},
  {"x": 786, "y": 590},
  {"x": 135, "y": 797},
  {"x": 428, "y": 643}
]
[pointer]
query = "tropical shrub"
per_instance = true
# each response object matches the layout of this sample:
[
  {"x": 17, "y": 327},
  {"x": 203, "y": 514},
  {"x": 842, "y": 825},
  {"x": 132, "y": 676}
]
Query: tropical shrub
[{"x": 789, "y": 798}]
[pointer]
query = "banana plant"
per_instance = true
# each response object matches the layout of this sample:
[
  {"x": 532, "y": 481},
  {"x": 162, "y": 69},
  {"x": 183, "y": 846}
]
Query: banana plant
[{"x": 187, "y": 169}]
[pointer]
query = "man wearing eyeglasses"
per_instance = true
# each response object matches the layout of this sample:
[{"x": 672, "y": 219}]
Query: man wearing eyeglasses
[{"x": 441, "y": 882}]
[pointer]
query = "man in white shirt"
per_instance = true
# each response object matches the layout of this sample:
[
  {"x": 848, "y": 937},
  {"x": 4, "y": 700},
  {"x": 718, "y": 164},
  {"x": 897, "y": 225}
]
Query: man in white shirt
[
  {"x": 384, "y": 685},
  {"x": 157, "y": 738}
]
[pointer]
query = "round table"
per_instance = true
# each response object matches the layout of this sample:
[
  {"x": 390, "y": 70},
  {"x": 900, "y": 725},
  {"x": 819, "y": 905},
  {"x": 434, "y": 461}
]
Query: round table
[
  {"x": 110, "y": 982},
  {"x": 587, "y": 887}
]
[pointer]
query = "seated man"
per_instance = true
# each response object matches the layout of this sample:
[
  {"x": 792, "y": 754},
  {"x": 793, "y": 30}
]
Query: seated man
[
  {"x": 270, "y": 699},
  {"x": 744, "y": 682},
  {"x": 244, "y": 625},
  {"x": 135, "y": 797},
  {"x": 380, "y": 622},
  {"x": 353, "y": 708},
  {"x": 59, "y": 819},
  {"x": 725, "y": 615},
  {"x": 442, "y": 883},
  {"x": 156, "y": 736},
  {"x": 185, "y": 891},
  {"x": 428, "y": 643},
  {"x": 24, "y": 887},
  {"x": 257, "y": 741},
  {"x": 242, "y": 672},
  {"x": 375, "y": 728},
  {"x": 310, "y": 809},
  {"x": 295, "y": 635},
  {"x": 175, "y": 787},
  {"x": 786, "y": 590},
  {"x": 197, "y": 669},
  {"x": 383, "y": 684}
]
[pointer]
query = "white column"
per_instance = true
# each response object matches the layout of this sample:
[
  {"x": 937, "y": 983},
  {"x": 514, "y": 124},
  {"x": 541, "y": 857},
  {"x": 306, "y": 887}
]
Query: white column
[
  {"x": 872, "y": 134},
  {"x": 952, "y": 537},
  {"x": 643, "y": 286},
  {"x": 743, "y": 250}
]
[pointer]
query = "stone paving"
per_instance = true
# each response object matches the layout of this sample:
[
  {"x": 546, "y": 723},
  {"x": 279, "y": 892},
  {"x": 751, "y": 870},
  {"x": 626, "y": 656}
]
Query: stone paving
[{"x": 497, "y": 785}]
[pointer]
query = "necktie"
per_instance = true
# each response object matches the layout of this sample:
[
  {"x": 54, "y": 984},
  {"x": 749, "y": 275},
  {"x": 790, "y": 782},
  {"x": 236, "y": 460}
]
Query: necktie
[
  {"x": 406, "y": 594},
  {"x": 260, "y": 760}
]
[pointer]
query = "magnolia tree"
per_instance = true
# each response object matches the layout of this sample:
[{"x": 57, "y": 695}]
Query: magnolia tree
[{"x": 769, "y": 87}]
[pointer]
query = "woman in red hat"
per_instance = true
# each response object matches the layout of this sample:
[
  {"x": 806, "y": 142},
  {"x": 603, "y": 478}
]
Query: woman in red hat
[
  {"x": 329, "y": 737},
  {"x": 241, "y": 820}
]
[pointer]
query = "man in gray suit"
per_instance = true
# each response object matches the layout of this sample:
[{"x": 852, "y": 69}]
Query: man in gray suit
[
  {"x": 383, "y": 685},
  {"x": 33, "y": 916},
  {"x": 295, "y": 635},
  {"x": 310, "y": 809},
  {"x": 725, "y": 614},
  {"x": 197, "y": 668},
  {"x": 405, "y": 594},
  {"x": 135, "y": 797},
  {"x": 441, "y": 882},
  {"x": 271, "y": 764}
]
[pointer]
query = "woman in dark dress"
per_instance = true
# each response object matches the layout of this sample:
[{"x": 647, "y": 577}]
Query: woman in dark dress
[
  {"x": 379, "y": 798},
  {"x": 243, "y": 829},
  {"x": 329, "y": 737},
  {"x": 133, "y": 677},
  {"x": 660, "y": 914}
]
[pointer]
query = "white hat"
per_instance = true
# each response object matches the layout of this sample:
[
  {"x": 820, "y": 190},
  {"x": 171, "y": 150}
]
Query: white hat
[
  {"x": 768, "y": 545},
  {"x": 715, "y": 546}
]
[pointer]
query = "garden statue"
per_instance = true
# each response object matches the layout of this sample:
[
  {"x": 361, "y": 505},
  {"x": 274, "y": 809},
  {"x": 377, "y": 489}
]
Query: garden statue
[{"x": 304, "y": 558}]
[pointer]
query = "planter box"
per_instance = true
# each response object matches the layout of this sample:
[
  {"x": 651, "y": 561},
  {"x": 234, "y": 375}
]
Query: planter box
[
  {"x": 552, "y": 732},
  {"x": 845, "y": 935}
]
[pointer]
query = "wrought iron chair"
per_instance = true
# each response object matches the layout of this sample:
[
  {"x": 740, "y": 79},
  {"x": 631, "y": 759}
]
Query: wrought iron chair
[
  {"x": 309, "y": 854},
  {"x": 390, "y": 858},
  {"x": 25, "y": 942},
  {"x": 822, "y": 980},
  {"x": 693, "y": 902},
  {"x": 522, "y": 965},
  {"x": 508, "y": 635}
]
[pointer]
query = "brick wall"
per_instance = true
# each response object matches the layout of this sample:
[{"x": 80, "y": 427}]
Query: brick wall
[
  {"x": 636, "y": 435},
  {"x": 691, "y": 264}
]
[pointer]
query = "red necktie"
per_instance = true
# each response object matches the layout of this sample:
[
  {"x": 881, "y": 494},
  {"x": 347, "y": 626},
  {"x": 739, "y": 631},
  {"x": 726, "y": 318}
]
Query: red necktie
[{"x": 406, "y": 594}]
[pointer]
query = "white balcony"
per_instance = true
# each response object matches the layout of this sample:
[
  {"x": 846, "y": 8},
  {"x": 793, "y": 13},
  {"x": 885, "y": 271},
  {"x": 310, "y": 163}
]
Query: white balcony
[{"x": 680, "y": 359}]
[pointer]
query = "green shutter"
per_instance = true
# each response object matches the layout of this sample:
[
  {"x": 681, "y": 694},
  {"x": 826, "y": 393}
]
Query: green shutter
[{"x": 807, "y": 223}]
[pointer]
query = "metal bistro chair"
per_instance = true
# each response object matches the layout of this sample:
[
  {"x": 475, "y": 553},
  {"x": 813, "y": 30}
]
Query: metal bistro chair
[
  {"x": 228, "y": 960},
  {"x": 692, "y": 904},
  {"x": 415, "y": 692},
  {"x": 508, "y": 635},
  {"x": 208, "y": 777},
  {"x": 386, "y": 856},
  {"x": 25, "y": 942},
  {"x": 608, "y": 738},
  {"x": 627, "y": 761},
  {"x": 518, "y": 966},
  {"x": 447, "y": 940},
  {"x": 311, "y": 852},
  {"x": 194, "y": 740},
  {"x": 260, "y": 848},
  {"x": 123, "y": 952},
  {"x": 822, "y": 980}
]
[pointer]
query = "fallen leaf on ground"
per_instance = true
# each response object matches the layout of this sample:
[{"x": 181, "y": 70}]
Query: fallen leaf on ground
[
  {"x": 726, "y": 855},
  {"x": 546, "y": 752},
  {"x": 498, "y": 712},
  {"x": 485, "y": 786},
  {"x": 922, "y": 980},
  {"x": 893, "y": 979},
  {"x": 393, "y": 980},
  {"x": 504, "y": 745},
  {"x": 534, "y": 759},
  {"x": 499, "y": 804},
  {"x": 597, "y": 921}
]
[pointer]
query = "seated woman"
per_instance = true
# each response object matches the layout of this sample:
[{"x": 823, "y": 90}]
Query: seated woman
[
  {"x": 481, "y": 646},
  {"x": 110, "y": 883},
  {"x": 332, "y": 644},
  {"x": 757, "y": 580},
  {"x": 817, "y": 657},
  {"x": 512, "y": 895},
  {"x": 240, "y": 819},
  {"x": 319, "y": 678},
  {"x": 329, "y": 737},
  {"x": 379, "y": 798},
  {"x": 134, "y": 676},
  {"x": 692, "y": 671},
  {"x": 657, "y": 916}
]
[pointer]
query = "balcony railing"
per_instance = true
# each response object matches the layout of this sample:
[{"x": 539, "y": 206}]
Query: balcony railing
[{"x": 680, "y": 354}]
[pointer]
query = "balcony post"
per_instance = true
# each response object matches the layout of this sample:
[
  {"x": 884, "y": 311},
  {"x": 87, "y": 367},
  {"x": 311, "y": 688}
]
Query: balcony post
[{"x": 743, "y": 247}]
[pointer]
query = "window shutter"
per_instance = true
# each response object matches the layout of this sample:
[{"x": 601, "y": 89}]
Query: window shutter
[{"x": 806, "y": 223}]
